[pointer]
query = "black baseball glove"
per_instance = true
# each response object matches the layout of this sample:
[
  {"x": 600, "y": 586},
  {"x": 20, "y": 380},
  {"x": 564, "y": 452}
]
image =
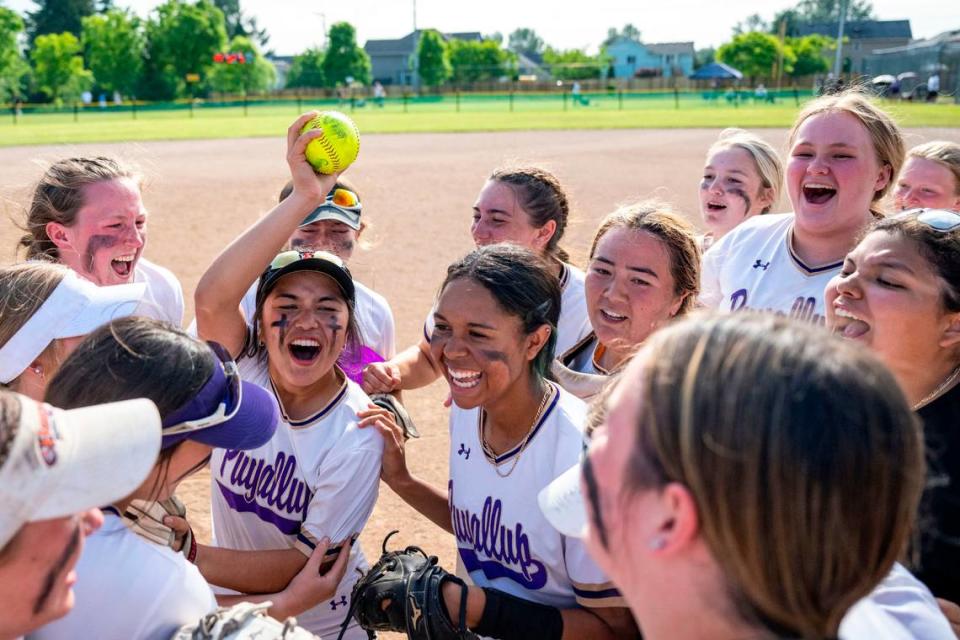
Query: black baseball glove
[{"x": 402, "y": 592}]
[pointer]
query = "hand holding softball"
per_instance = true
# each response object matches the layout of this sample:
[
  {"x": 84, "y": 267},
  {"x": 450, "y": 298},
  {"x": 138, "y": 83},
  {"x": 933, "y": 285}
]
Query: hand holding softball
[
  {"x": 338, "y": 147},
  {"x": 307, "y": 183}
]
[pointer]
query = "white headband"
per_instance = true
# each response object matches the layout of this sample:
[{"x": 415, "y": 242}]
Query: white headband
[{"x": 75, "y": 308}]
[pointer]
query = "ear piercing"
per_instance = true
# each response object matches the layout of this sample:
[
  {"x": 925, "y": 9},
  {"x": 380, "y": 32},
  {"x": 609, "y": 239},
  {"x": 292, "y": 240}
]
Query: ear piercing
[{"x": 657, "y": 544}]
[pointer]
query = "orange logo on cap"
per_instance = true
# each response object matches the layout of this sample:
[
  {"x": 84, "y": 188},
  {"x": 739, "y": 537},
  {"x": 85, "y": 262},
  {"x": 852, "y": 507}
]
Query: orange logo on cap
[{"x": 47, "y": 437}]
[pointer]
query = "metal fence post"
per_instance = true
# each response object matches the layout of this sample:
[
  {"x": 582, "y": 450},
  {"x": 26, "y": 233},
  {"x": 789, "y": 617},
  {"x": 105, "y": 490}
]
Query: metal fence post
[
  {"x": 620, "y": 99},
  {"x": 564, "y": 99}
]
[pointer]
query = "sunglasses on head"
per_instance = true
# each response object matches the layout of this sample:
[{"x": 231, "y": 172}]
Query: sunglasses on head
[
  {"x": 231, "y": 397},
  {"x": 289, "y": 257},
  {"x": 942, "y": 220},
  {"x": 344, "y": 198}
]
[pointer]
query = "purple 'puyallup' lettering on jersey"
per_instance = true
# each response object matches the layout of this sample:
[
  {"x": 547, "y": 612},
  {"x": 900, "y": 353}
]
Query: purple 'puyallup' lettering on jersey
[
  {"x": 241, "y": 505},
  {"x": 803, "y": 308},
  {"x": 503, "y": 546},
  {"x": 738, "y": 300},
  {"x": 275, "y": 485}
]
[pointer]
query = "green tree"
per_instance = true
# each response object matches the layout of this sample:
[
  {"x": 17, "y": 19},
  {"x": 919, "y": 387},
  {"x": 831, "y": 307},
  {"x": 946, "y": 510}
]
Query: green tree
[
  {"x": 703, "y": 57},
  {"x": 57, "y": 16},
  {"x": 306, "y": 70},
  {"x": 12, "y": 65},
  {"x": 483, "y": 61},
  {"x": 433, "y": 61},
  {"x": 344, "y": 59},
  {"x": 752, "y": 22},
  {"x": 829, "y": 10},
  {"x": 629, "y": 32},
  {"x": 58, "y": 66},
  {"x": 754, "y": 54},
  {"x": 810, "y": 54},
  {"x": 182, "y": 38},
  {"x": 113, "y": 45},
  {"x": 254, "y": 75},
  {"x": 526, "y": 41},
  {"x": 239, "y": 24},
  {"x": 574, "y": 64}
]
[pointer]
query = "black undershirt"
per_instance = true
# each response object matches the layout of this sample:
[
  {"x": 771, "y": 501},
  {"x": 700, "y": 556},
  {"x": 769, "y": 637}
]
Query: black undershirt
[{"x": 939, "y": 566}]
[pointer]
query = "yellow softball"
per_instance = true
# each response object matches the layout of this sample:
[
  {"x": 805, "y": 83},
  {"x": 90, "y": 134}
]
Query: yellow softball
[{"x": 338, "y": 147}]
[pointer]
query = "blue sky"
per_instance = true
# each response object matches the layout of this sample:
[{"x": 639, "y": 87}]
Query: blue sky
[{"x": 297, "y": 24}]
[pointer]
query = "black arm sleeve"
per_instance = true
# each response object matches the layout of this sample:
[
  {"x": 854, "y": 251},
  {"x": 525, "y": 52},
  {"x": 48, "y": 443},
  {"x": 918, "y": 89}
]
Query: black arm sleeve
[{"x": 511, "y": 618}]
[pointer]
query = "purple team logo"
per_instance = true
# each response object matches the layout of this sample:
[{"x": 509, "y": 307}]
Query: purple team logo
[
  {"x": 804, "y": 308},
  {"x": 496, "y": 549},
  {"x": 271, "y": 491}
]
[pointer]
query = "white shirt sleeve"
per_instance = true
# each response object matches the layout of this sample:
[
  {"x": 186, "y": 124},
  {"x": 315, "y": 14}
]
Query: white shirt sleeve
[
  {"x": 591, "y": 587},
  {"x": 899, "y": 608},
  {"x": 344, "y": 498},
  {"x": 711, "y": 293}
]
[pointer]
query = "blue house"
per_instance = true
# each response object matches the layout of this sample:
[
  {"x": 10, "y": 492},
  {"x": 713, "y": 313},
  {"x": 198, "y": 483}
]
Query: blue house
[{"x": 632, "y": 59}]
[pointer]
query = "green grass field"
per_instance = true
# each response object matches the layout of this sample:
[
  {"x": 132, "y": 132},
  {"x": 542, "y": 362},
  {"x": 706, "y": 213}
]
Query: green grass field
[{"x": 489, "y": 113}]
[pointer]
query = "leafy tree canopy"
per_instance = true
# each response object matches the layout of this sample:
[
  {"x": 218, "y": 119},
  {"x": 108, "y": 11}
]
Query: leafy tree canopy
[
  {"x": 343, "y": 58},
  {"x": 433, "y": 61},
  {"x": 113, "y": 44}
]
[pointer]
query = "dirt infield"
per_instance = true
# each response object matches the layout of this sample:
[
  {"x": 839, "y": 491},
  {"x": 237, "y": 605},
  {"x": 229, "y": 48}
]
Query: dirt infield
[{"x": 417, "y": 192}]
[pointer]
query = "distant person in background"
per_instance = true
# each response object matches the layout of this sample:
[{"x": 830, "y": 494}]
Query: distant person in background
[
  {"x": 87, "y": 213},
  {"x": 933, "y": 87},
  {"x": 378, "y": 93},
  {"x": 930, "y": 177}
]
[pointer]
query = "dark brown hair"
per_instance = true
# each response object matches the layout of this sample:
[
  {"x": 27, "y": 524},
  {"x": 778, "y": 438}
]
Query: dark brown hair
[{"x": 542, "y": 198}]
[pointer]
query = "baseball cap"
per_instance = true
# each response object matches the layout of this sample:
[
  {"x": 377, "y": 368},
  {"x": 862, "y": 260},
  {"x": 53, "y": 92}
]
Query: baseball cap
[
  {"x": 562, "y": 503},
  {"x": 59, "y": 462},
  {"x": 341, "y": 205},
  {"x": 75, "y": 308},
  {"x": 323, "y": 262},
  {"x": 227, "y": 412}
]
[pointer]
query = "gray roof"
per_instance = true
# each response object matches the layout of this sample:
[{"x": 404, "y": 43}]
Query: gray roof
[
  {"x": 860, "y": 29},
  {"x": 944, "y": 38},
  {"x": 406, "y": 44},
  {"x": 670, "y": 48}
]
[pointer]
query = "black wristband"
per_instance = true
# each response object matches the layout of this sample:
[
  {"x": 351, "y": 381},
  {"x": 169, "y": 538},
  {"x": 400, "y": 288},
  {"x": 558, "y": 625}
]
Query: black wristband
[{"x": 508, "y": 617}]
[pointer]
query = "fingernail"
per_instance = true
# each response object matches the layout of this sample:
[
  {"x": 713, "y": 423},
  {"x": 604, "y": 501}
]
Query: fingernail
[{"x": 325, "y": 540}]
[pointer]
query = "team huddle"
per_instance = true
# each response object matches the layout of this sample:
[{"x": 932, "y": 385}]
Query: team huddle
[{"x": 747, "y": 432}]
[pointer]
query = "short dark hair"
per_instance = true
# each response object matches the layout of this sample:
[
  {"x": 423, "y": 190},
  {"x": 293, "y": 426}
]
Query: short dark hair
[{"x": 524, "y": 286}]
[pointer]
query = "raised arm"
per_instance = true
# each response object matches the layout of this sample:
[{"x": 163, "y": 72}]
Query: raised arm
[{"x": 226, "y": 280}]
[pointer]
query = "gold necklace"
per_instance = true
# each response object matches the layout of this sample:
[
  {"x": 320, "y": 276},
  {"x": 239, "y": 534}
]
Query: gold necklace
[
  {"x": 939, "y": 390},
  {"x": 523, "y": 444}
]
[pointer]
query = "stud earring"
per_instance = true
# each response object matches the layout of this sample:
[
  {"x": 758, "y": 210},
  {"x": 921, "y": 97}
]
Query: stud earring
[{"x": 657, "y": 544}]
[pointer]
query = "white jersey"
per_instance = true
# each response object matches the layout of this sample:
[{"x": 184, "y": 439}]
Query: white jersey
[
  {"x": 577, "y": 370},
  {"x": 374, "y": 318},
  {"x": 163, "y": 299},
  {"x": 316, "y": 478},
  {"x": 754, "y": 267},
  {"x": 129, "y": 588},
  {"x": 503, "y": 539},
  {"x": 899, "y": 608},
  {"x": 574, "y": 324}
]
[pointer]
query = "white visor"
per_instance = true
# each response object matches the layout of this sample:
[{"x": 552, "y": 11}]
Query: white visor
[
  {"x": 562, "y": 503},
  {"x": 64, "y": 462},
  {"x": 75, "y": 308}
]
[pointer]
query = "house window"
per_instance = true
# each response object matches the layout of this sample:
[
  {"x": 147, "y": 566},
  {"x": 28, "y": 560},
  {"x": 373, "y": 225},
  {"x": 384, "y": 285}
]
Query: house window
[{"x": 631, "y": 59}]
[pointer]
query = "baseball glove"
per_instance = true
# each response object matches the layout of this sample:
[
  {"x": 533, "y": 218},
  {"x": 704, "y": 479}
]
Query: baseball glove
[
  {"x": 391, "y": 404},
  {"x": 243, "y": 621},
  {"x": 402, "y": 592}
]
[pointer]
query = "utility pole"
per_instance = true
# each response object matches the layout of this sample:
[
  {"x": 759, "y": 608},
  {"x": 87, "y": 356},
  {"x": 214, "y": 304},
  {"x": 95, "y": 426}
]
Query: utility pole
[
  {"x": 837, "y": 63},
  {"x": 323, "y": 21},
  {"x": 416, "y": 51}
]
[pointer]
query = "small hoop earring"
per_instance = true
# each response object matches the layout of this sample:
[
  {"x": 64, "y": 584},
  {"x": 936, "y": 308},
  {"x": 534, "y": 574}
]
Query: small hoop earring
[{"x": 657, "y": 544}]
